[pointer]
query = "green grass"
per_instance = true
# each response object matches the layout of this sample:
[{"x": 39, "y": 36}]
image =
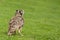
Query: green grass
[{"x": 42, "y": 19}]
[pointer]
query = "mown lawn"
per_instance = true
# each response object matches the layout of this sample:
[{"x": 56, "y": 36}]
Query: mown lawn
[{"x": 42, "y": 19}]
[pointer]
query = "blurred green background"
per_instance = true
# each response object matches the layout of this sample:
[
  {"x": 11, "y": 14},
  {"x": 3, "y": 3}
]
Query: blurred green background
[{"x": 42, "y": 19}]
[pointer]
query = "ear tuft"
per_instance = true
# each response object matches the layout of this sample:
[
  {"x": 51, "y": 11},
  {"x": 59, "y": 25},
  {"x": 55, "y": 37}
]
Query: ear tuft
[{"x": 16, "y": 10}]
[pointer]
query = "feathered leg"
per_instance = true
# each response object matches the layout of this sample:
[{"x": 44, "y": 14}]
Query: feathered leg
[{"x": 20, "y": 30}]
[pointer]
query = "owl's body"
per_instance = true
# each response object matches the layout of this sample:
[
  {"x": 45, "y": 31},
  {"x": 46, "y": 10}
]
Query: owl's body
[{"x": 16, "y": 22}]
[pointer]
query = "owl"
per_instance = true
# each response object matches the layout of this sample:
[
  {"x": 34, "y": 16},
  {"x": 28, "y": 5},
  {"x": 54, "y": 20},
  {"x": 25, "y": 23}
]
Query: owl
[{"x": 16, "y": 23}]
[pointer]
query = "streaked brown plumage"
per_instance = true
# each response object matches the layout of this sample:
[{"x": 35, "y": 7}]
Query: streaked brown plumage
[{"x": 16, "y": 22}]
